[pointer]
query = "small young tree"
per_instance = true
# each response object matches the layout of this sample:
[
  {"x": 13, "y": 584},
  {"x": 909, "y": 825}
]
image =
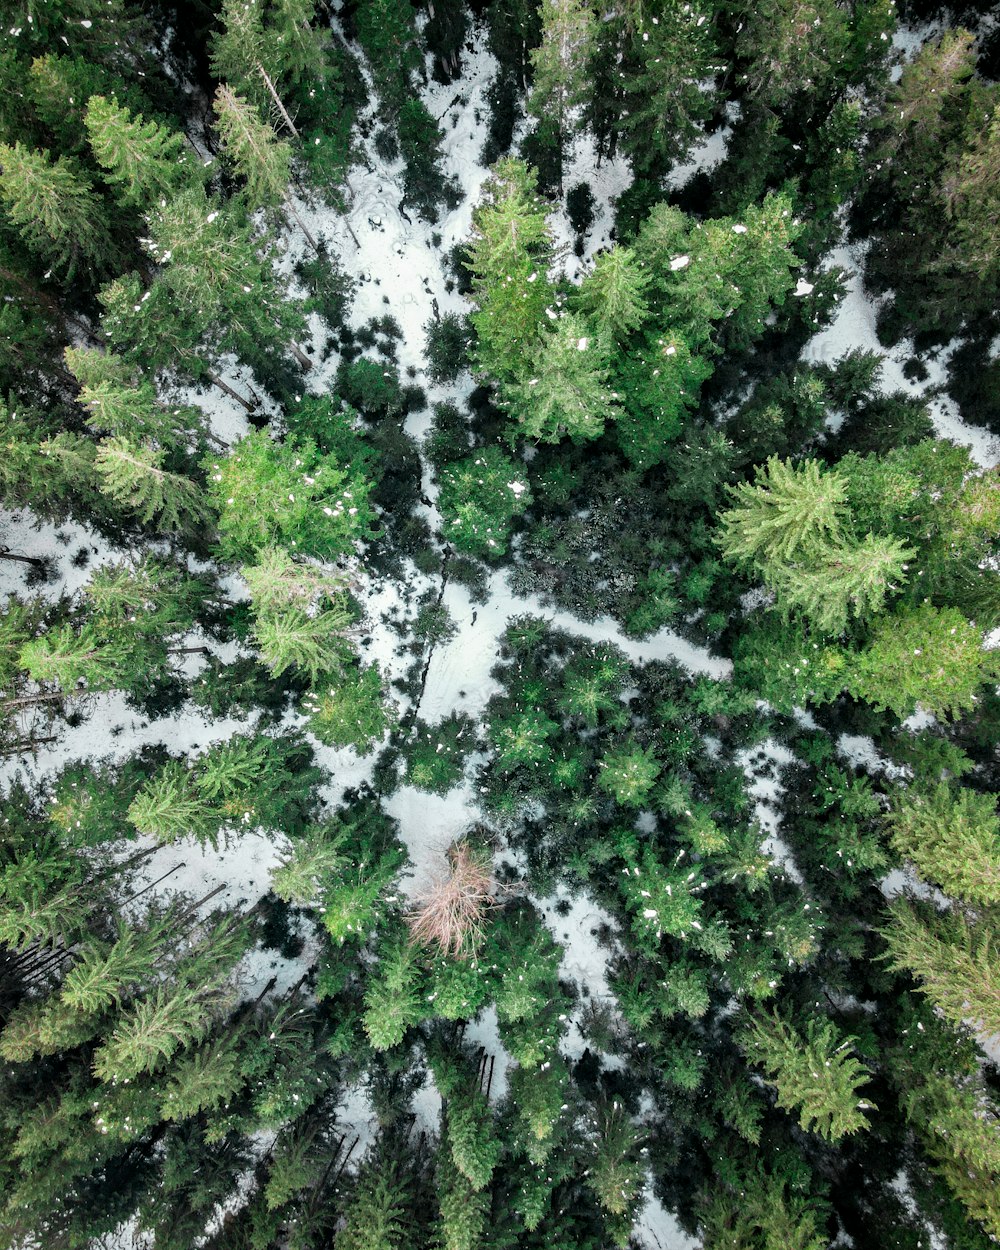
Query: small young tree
[{"x": 352, "y": 711}]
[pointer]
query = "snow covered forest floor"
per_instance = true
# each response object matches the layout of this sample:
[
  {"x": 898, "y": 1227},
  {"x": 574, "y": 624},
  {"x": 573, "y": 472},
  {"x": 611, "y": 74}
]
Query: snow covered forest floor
[{"x": 400, "y": 268}]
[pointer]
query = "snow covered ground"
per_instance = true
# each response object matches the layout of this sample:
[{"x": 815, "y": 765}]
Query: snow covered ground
[{"x": 399, "y": 267}]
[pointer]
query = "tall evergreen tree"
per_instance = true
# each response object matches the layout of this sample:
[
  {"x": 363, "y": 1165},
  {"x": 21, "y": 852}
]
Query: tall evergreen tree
[
  {"x": 143, "y": 160},
  {"x": 54, "y": 208},
  {"x": 813, "y": 1071}
]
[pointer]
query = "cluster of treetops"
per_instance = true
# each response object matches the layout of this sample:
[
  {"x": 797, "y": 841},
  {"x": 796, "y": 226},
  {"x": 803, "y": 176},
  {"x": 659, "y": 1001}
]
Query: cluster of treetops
[{"x": 790, "y": 1053}]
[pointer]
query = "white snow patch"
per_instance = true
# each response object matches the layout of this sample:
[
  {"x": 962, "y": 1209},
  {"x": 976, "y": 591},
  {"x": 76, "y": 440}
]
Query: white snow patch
[
  {"x": 853, "y": 328},
  {"x": 657, "y": 1229}
]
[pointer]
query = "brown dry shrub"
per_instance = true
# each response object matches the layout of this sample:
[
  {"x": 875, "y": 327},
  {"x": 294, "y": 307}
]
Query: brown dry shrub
[{"x": 451, "y": 913}]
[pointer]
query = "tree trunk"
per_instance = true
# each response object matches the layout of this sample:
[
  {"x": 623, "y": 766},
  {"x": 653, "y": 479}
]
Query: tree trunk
[
  {"x": 277, "y": 100},
  {"x": 300, "y": 356},
  {"x": 228, "y": 390},
  {"x": 6, "y": 554},
  {"x": 301, "y": 224}
]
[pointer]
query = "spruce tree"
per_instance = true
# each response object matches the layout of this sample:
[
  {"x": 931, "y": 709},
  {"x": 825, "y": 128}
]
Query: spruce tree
[
  {"x": 565, "y": 390},
  {"x": 664, "y": 104},
  {"x": 288, "y": 495},
  {"x": 559, "y": 65},
  {"x": 612, "y": 295},
  {"x": 479, "y": 499},
  {"x": 812, "y": 1070},
  {"x": 132, "y": 474},
  {"x": 508, "y": 257},
  {"x": 143, "y": 160},
  {"x": 953, "y": 957},
  {"x": 952, "y": 836},
  {"x": 55, "y": 210},
  {"x": 254, "y": 151}
]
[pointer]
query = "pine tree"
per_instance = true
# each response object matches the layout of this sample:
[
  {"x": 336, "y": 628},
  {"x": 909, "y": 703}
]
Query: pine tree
[
  {"x": 393, "y": 1001},
  {"x": 629, "y": 772},
  {"x": 789, "y": 511},
  {"x": 170, "y": 807},
  {"x": 54, "y": 209},
  {"x": 143, "y": 160},
  {"x": 313, "y": 863},
  {"x": 287, "y": 495},
  {"x": 566, "y": 391},
  {"x": 952, "y": 835},
  {"x": 69, "y": 658},
  {"x": 254, "y": 151},
  {"x": 317, "y": 643},
  {"x": 612, "y": 295},
  {"x": 132, "y": 474},
  {"x": 813, "y": 1070},
  {"x": 278, "y": 582}
]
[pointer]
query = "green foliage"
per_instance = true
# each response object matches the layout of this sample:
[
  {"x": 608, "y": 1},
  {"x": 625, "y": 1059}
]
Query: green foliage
[
  {"x": 612, "y": 295},
  {"x": 629, "y": 773},
  {"x": 54, "y": 209},
  {"x": 143, "y": 160},
  {"x": 952, "y": 835},
  {"x": 564, "y": 390},
  {"x": 394, "y": 1000},
  {"x": 132, "y": 475},
  {"x": 508, "y": 257},
  {"x": 928, "y": 656},
  {"x": 386, "y": 33},
  {"x": 479, "y": 499},
  {"x": 287, "y": 495},
  {"x": 435, "y": 754},
  {"x": 812, "y": 1070},
  {"x": 617, "y": 1173},
  {"x": 352, "y": 712},
  {"x": 522, "y": 739},
  {"x": 254, "y": 151},
  {"x": 952, "y": 956}
]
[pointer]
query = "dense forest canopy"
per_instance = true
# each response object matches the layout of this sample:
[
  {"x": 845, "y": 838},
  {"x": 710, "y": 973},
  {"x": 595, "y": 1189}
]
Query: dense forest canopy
[{"x": 499, "y": 694}]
